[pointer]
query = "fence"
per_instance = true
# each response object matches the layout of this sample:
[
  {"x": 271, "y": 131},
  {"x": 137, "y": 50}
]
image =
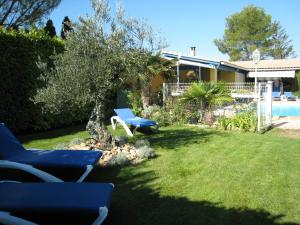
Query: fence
[
  {"x": 262, "y": 97},
  {"x": 264, "y": 105},
  {"x": 177, "y": 89}
]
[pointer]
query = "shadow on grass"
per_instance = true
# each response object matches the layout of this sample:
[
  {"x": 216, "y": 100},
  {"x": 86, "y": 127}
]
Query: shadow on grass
[
  {"x": 135, "y": 203},
  {"x": 51, "y": 133},
  {"x": 176, "y": 138}
]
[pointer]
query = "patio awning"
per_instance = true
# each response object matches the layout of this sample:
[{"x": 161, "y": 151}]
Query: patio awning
[
  {"x": 191, "y": 63},
  {"x": 185, "y": 62},
  {"x": 270, "y": 74}
]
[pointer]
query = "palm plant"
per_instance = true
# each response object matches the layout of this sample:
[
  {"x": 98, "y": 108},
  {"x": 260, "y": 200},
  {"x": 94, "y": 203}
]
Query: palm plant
[
  {"x": 154, "y": 66},
  {"x": 205, "y": 96}
]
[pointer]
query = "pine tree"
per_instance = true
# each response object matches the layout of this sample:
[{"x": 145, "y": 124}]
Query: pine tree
[
  {"x": 50, "y": 29},
  {"x": 66, "y": 27},
  {"x": 250, "y": 29}
]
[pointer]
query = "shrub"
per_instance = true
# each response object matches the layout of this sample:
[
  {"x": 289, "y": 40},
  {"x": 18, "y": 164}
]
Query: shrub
[
  {"x": 170, "y": 113},
  {"x": 145, "y": 152},
  {"x": 143, "y": 149},
  {"x": 19, "y": 76},
  {"x": 245, "y": 121},
  {"x": 118, "y": 160},
  {"x": 225, "y": 123},
  {"x": 76, "y": 141},
  {"x": 135, "y": 102},
  {"x": 121, "y": 140},
  {"x": 61, "y": 146},
  {"x": 141, "y": 143}
]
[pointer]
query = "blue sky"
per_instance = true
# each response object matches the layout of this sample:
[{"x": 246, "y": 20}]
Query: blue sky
[{"x": 185, "y": 23}]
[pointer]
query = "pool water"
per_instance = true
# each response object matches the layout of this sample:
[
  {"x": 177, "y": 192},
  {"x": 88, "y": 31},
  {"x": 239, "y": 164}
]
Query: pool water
[{"x": 286, "y": 109}]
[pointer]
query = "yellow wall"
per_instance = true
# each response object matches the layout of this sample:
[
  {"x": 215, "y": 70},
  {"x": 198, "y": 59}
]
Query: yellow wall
[
  {"x": 187, "y": 76},
  {"x": 156, "y": 83},
  {"x": 212, "y": 74},
  {"x": 227, "y": 76},
  {"x": 205, "y": 74}
]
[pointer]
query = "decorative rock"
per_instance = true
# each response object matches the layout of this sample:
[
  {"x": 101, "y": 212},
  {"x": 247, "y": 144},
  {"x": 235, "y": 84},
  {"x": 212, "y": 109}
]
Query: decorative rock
[{"x": 127, "y": 150}]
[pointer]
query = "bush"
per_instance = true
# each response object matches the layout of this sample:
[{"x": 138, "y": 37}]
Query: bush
[
  {"x": 61, "y": 146},
  {"x": 145, "y": 152},
  {"x": 19, "y": 76},
  {"x": 76, "y": 141},
  {"x": 135, "y": 102},
  {"x": 141, "y": 143},
  {"x": 225, "y": 123},
  {"x": 245, "y": 121},
  {"x": 143, "y": 149},
  {"x": 118, "y": 160},
  {"x": 171, "y": 113}
]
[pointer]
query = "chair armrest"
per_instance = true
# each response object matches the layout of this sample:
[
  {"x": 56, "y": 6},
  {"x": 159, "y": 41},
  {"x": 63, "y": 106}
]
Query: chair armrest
[
  {"x": 29, "y": 169},
  {"x": 7, "y": 219}
]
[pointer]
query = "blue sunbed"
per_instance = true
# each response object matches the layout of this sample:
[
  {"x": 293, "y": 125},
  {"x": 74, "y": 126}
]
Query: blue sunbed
[
  {"x": 289, "y": 95},
  {"x": 126, "y": 116},
  {"x": 48, "y": 160},
  {"x": 276, "y": 95},
  {"x": 54, "y": 203}
]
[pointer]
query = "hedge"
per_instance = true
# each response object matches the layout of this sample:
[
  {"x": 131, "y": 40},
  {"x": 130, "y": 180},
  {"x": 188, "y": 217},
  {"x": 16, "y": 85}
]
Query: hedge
[{"x": 19, "y": 76}]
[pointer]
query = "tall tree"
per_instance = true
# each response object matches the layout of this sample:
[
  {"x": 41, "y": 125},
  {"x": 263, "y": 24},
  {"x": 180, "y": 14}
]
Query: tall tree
[
  {"x": 282, "y": 47},
  {"x": 50, "y": 29},
  {"x": 103, "y": 53},
  {"x": 17, "y": 13},
  {"x": 66, "y": 27},
  {"x": 250, "y": 29}
]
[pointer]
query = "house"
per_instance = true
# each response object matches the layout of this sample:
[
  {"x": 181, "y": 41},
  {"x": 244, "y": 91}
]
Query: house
[
  {"x": 191, "y": 68},
  {"x": 281, "y": 71}
]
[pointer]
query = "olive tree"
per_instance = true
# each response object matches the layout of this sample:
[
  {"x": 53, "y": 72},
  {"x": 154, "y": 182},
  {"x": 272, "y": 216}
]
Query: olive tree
[{"x": 102, "y": 54}]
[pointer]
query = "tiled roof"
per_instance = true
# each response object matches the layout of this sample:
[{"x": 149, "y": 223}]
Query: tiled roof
[{"x": 276, "y": 64}]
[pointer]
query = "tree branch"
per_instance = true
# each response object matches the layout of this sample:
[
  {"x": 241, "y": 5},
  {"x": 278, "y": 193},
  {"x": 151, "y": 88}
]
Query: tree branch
[{"x": 8, "y": 12}]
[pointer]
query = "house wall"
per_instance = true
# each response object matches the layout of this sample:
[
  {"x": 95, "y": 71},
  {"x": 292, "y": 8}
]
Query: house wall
[
  {"x": 240, "y": 77},
  {"x": 156, "y": 84},
  {"x": 187, "y": 76},
  {"x": 227, "y": 76},
  {"x": 212, "y": 74},
  {"x": 205, "y": 74}
]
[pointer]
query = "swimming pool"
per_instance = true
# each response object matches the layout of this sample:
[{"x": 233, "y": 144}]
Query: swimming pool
[{"x": 286, "y": 109}]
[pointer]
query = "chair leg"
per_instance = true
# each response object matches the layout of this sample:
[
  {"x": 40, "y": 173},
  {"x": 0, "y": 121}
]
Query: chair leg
[
  {"x": 118, "y": 120},
  {"x": 89, "y": 168},
  {"x": 103, "y": 212}
]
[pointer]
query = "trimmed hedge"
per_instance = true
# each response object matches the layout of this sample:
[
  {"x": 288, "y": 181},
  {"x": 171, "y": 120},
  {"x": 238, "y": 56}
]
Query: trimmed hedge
[{"x": 19, "y": 76}]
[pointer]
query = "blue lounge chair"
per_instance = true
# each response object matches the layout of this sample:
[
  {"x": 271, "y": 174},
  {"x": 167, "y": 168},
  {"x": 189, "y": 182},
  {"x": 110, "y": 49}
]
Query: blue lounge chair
[
  {"x": 54, "y": 161},
  {"x": 125, "y": 116},
  {"x": 54, "y": 203},
  {"x": 276, "y": 95},
  {"x": 290, "y": 96}
]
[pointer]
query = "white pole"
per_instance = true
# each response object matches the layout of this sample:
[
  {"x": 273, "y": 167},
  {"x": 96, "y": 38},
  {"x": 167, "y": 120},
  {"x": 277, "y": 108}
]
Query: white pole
[
  {"x": 255, "y": 87},
  {"x": 269, "y": 94},
  {"x": 258, "y": 109},
  {"x": 178, "y": 74}
]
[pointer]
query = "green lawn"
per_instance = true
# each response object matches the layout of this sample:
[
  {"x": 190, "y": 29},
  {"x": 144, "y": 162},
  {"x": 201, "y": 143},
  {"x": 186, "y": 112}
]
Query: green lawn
[{"x": 202, "y": 177}]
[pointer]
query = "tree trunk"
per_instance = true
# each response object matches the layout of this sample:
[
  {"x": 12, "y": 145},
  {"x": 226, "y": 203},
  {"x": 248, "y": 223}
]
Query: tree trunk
[
  {"x": 208, "y": 117},
  {"x": 96, "y": 124},
  {"x": 145, "y": 95}
]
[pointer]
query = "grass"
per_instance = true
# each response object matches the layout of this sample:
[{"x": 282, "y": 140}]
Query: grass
[{"x": 202, "y": 177}]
